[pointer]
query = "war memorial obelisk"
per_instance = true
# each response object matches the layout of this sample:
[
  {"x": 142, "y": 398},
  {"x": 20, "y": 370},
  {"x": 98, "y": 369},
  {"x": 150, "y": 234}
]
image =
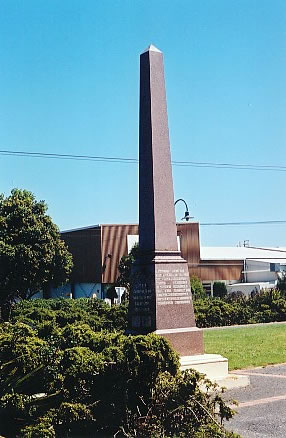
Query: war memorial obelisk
[{"x": 160, "y": 298}]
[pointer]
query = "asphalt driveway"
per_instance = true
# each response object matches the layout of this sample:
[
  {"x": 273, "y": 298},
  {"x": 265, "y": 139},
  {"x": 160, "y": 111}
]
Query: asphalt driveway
[{"x": 262, "y": 405}]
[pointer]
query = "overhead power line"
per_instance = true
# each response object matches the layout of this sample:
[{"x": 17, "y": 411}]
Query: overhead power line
[
  {"x": 235, "y": 166},
  {"x": 244, "y": 223},
  {"x": 68, "y": 156}
]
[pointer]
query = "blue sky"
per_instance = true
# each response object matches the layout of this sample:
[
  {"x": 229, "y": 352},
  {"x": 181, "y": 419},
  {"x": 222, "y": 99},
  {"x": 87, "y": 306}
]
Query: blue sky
[{"x": 69, "y": 84}]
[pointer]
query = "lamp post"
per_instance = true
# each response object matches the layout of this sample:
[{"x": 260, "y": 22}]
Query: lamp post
[{"x": 187, "y": 216}]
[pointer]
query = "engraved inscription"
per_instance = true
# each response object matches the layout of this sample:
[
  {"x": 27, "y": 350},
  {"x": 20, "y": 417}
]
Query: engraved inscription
[
  {"x": 173, "y": 287},
  {"x": 142, "y": 300},
  {"x": 142, "y": 294}
]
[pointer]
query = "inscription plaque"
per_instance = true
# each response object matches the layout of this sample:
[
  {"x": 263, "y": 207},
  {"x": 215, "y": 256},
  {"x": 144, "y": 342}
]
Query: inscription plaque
[{"x": 172, "y": 287}]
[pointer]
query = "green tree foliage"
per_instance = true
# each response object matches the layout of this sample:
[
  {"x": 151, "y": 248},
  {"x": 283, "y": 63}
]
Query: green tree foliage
[
  {"x": 219, "y": 289},
  {"x": 197, "y": 287},
  {"x": 111, "y": 294},
  {"x": 32, "y": 254},
  {"x": 281, "y": 284},
  {"x": 124, "y": 267},
  {"x": 69, "y": 378}
]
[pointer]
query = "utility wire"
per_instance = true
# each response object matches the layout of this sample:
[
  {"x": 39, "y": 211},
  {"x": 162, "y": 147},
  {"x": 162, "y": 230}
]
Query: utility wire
[
  {"x": 243, "y": 223},
  {"x": 208, "y": 224},
  {"x": 68, "y": 156},
  {"x": 236, "y": 166},
  {"x": 175, "y": 163}
]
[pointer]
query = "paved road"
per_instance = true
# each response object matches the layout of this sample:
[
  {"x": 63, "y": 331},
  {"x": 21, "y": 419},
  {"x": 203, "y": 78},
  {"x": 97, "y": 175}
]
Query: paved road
[{"x": 262, "y": 405}]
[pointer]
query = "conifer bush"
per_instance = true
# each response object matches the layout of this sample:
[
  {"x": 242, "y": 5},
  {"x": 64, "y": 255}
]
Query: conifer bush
[
  {"x": 236, "y": 309},
  {"x": 73, "y": 377}
]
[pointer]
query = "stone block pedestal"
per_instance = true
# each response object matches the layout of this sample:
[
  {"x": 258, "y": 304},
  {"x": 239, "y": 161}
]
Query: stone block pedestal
[
  {"x": 184, "y": 340},
  {"x": 215, "y": 367},
  {"x": 161, "y": 302}
]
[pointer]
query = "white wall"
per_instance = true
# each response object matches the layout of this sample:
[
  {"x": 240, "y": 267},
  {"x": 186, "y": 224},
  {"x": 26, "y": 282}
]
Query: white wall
[
  {"x": 257, "y": 271},
  {"x": 248, "y": 288}
]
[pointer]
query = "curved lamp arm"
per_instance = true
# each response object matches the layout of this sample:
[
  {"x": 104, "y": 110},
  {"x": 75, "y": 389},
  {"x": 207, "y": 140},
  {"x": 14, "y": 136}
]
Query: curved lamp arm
[{"x": 187, "y": 216}]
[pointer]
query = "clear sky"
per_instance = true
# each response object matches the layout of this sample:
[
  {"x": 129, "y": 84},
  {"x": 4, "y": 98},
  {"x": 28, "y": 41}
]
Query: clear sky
[{"x": 69, "y": 84}]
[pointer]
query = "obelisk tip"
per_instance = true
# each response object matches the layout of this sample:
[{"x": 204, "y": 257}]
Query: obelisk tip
[{"x": 152, "y": 48}]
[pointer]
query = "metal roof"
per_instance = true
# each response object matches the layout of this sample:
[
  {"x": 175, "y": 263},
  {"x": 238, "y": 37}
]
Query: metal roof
[{"x": 243, "y": 253}]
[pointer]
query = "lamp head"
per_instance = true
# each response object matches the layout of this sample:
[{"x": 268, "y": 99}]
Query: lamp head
[{"x": 187, "y": 216}]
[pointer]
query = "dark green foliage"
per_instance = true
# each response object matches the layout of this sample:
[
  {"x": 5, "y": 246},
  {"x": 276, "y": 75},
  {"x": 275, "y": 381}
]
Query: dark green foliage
[
  {"x": 178, "y": 408},
  {"x": 281, "y": 284},
  {"x": 47, "y": 315},
  {"x": 111, "y": 294},
  {"x": 64, "y": 376},
  {"x": 124, "y": 267},
  {"x": 266, "y": 306},
  {"x": 32, "y": 254},
  {"x": 219, "y": 289}
]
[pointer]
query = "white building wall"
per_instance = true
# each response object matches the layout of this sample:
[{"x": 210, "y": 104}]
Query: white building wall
[
  {"x": 247, "y": 288},
  {"x": 258, "y": 271}
]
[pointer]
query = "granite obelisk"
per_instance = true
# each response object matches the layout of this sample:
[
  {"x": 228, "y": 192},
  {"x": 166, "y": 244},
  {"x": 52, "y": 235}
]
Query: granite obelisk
[{"x": 160, "y": 297}]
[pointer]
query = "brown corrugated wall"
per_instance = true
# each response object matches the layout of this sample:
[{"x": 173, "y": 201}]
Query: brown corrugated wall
[
  {"x": 189, "y": 241},
  {"x": 85, "y": 246},
  {"x": 211, "y": 270},
  {"x": 90, "y": 248},
  {"x": 114, "y": 242}
]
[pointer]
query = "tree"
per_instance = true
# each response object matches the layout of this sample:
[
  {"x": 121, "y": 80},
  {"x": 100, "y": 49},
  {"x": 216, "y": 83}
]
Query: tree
[
  {"x": 197, "y": 287},
  {"x": 111, "y": 294},
  {"x": 124, "y": 267},
  {"x": 32, "y": 254},
  {"x": 219, "y": 289},
  {"x": 281, "y": 284}
]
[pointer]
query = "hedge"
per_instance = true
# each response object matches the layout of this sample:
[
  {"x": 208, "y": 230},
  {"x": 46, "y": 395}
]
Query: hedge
[{"x": 266, "y": 306}]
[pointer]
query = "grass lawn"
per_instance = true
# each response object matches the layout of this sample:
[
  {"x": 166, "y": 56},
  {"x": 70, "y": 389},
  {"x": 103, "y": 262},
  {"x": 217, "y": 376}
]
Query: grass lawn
[{"x": 248, "y": 346}]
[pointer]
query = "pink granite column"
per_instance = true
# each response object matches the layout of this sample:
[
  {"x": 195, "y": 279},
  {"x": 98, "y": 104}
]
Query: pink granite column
[
  {"x": 156, "y": 197},
  {"x": 160, "y": 297}
]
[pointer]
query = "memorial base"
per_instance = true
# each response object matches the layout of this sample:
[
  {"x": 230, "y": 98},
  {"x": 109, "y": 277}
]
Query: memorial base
[
  {"x": 215, "y": 367},
  {"x": 185, "y": 341}
]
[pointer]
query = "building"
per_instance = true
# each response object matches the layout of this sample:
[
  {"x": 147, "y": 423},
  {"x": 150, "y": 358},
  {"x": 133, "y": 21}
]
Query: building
[
  {"x": 98, "y": 249},
  {"x": 262, "y": 267}
]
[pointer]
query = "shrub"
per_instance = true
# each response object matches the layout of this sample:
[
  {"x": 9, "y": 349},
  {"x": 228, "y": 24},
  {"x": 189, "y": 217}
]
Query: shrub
[
  {"x": 281, "y": 284},
  {"x": 178, "y": 408},
  {"x": 219, "y": 289},
  {"x": 60, "y": 312},
  {"x": 40, "y": 430},
  {"x": 236, "y": 308},
  {"x": 70, "y": 380}
]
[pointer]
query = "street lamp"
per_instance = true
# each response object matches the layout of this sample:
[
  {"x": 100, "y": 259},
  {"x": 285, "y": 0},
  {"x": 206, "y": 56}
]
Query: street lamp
[{"x": 187, "y": 216}]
